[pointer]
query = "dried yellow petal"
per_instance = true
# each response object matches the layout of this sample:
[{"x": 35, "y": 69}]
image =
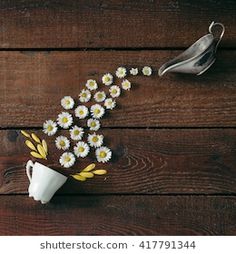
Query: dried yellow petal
[
  {"x": 36, "y": 155},
  {"x": 45, "y": 146},
  {"x": 89, "y": 168},
  {"x": 35, "y": 138},
  {"x": 100, "y": 172},
  {"x": 30, "y": 145},
  {"x": 79, "y": 178},
  {"x": 41, "y": 151},
  {"x": 87, "y": 174},
  {"x": 25, "y": 134}
]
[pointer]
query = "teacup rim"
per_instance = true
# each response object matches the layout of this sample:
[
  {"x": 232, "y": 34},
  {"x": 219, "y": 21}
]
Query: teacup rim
[{"x": 55, "y": 171}]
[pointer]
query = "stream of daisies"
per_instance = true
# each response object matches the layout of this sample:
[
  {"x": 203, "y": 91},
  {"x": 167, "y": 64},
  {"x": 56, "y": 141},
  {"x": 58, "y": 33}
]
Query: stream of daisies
[{"x": 93, "y": 115}]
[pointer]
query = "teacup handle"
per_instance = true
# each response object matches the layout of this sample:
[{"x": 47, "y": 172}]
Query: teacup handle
[{"x": 29, "y": 166}]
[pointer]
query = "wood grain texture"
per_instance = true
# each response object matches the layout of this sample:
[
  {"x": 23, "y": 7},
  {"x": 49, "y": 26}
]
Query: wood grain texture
[
  {"x": 119, "y": 215},
  {"x": 36, "y": 81},
  {"x": 144, "y": 161},
  {"x": 96, "y": 24}
]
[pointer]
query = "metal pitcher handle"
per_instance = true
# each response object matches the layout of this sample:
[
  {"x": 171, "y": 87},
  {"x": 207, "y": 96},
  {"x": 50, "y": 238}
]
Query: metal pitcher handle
[{"x": 218, "y": 38}]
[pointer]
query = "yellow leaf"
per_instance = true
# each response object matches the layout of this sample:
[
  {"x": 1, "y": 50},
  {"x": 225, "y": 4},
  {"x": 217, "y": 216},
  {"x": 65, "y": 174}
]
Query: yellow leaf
[
  {"x": 86, "y": 174},
  {"x": 25, "y": 134},
  {"x": 41, "y": 151},
  {"x": 79, "y": 178},
  {"x": 35, "y": 138},
  {"x": 100, "y": 172},
  {"x": 36, "y": 155},
  {"x": 30, "y": 145},
  {"x": 45, "y": 146},
  {"x": 89, "y": 168}
]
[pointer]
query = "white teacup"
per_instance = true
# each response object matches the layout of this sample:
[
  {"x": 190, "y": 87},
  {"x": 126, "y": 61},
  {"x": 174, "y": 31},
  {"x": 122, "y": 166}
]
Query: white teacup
[{"x": 44, "y": 181}]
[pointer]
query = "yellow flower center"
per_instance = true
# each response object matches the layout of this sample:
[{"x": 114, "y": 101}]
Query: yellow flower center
[
  {"x": 67, "y": 158},
  {"x": 93, "y": 124},
  {"x": 95, "y": 139},
  {"x": 84, "y": 95},
  {"x": 81, "y": 149},
  {"x": 64, "y": 119},
  {"x": 103, "y": 154},
  {"x": 49, "y": 128},
  {"x": 81, "y": 112},
  {"x": 91, "y": 83},
  {"x": 67, "y": 102},
  {"x": 76, "y": 132},
  {"x": 100, "y": 95},
  {"x": 97, "y": 111},
  {"x": 62, "y": 143},
  {"x": 114, "y": 91},
  {"x": 107, "y": 79}
]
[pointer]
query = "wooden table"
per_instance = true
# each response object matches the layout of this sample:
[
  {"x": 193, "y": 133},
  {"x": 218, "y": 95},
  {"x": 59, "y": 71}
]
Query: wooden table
[{"x": 174, "y": 139}]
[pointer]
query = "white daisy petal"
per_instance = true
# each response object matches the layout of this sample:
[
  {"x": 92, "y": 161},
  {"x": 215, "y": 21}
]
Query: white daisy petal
[
  {"x": 91, "y": 84},
  {"x": 65, "y": 120},
  {"x": 109, "y": 103},
  {"x": 103, "y": 154},
  {"x": 147, "y": 71},
  {"x": 49, "y": 127},
  {"x": 93, "y": 124},
  {"x": 114, "y": 91},
  {"x": 107, "y": 79},
  {"x": 84, "y": 95},
  {"x": 121, "y": 72},
  {"x": 95, "y": 140},
  {"x": 67, "y": 160},
  {"x": 134, "y": 71},
  {"x": 76, "y": 133},
  {"x": 97, "y": 111},
  {"x": 81, "y": 149},
  {"x": 62, "y": 143},
  {"x": 99, "y": 96},
  {"x": 126, "y": 85},
  {"x": 67, "y": 102},
  {"x": 81, "y": 112}
]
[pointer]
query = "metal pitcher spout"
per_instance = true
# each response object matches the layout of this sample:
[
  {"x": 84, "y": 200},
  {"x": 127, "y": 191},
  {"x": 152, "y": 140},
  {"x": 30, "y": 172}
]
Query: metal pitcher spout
[{"x": 198, "y": 57}]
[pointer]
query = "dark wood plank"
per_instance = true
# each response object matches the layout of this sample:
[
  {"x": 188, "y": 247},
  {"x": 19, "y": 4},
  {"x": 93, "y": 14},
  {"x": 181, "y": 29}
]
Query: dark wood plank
[
  {"x": 127, "y": 215},
  {"x": 144, "y": 161},
  {"x": 91, "y": 23},
  {"x": 36, "y": 81}
]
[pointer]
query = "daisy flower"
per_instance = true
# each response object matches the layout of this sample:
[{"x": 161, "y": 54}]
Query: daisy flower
[
  {"x": 67, "y": 160},
  {"x": 109, "y": 103},
  {"x": 126, "y": 85},
  {"x": 95, "y": 140},
  {"x": 91, "y": 84},
  {"x": 62, "y": 143},
  {"x": 114, "y": 91},
  {"x": 81, "y": 112},
  {"x": 76, "y": 133},
  {"x": 81, "y": 149},
  {"x": 134, "y": 71},
  {"x": 93, "y": 124},
  {"x": 67, "y": 102},
  {"x": 99, "y": 96},
  {"x": 103, "y": 154},
  {"x": 97, "y": 111},
  {"x": 121, "y": 72},
  {"x": 65, "y": 120},
  {"x": 147, "y": 71},
  {"x": 107, "y": 79},
  {"x": 85, "y": 95},
  {"x": 49, "y": 127}
]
